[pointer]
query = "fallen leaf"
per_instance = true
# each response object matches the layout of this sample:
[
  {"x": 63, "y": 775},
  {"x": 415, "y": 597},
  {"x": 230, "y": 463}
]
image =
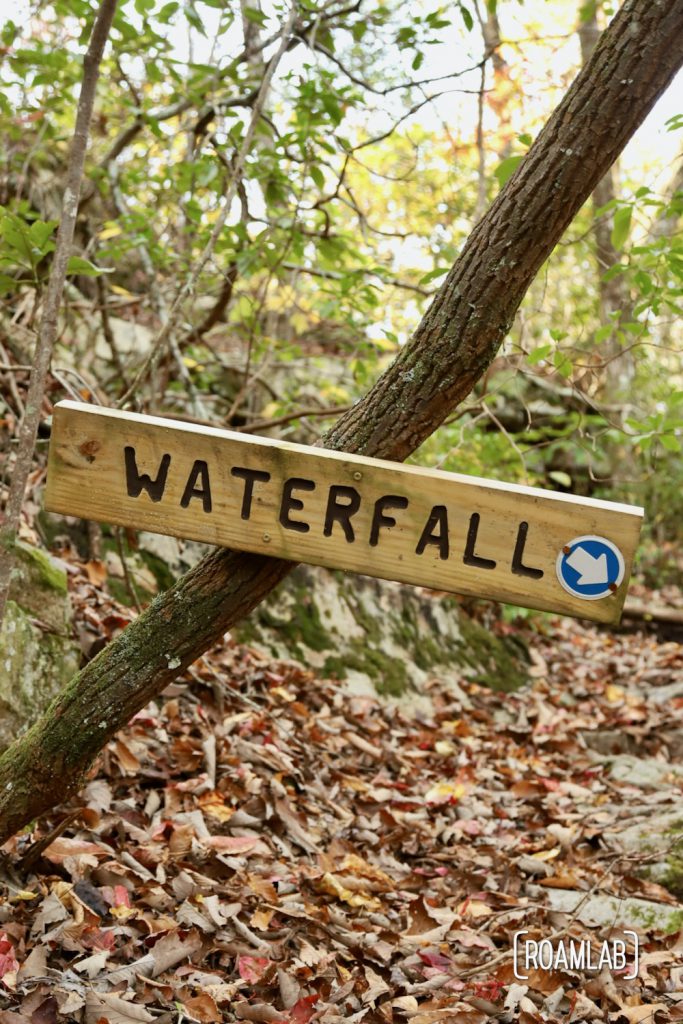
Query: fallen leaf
[
  {"x": 203, "y": 1008},
  {"x": 251, "y": 968},
  {"x": 106, "y": 1006}
]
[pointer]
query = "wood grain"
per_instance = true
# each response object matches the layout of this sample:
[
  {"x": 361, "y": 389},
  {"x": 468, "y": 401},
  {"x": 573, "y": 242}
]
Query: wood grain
[{"x": 439, "y": 530}]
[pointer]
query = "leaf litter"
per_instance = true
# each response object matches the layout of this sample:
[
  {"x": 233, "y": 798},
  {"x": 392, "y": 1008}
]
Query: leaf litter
[{"x": 261, "y": 845}]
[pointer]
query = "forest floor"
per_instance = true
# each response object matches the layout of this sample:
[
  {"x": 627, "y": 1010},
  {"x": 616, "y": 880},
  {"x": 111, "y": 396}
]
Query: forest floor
[{"x": 261, "y": 845}]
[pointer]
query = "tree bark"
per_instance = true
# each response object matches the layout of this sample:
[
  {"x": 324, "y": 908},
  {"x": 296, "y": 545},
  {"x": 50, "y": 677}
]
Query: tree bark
[{"x": 635, "y": 60}]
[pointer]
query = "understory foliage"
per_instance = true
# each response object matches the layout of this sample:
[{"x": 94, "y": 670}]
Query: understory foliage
[{"x": 386, "y": 133}]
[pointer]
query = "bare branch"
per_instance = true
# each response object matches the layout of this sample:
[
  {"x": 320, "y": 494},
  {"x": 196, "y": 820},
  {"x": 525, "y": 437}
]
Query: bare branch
[{"x": 334, "y": 275}]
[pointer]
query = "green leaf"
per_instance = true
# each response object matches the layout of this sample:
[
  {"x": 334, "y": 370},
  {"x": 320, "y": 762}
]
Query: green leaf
[
  {"x": 562, "y": 364},
  {"x": 318, "y": 176},
  {"x": 602, "y": 333},
  {"x": 466, "y": 17},
  {"x": 506, "y": 168},
  {"x": 433, "y": 274},
  {"x": 79, "y": 265},
  {"x": 255, "y": 15},
  {"x": 670, "y": 443},
  {"x": 332, "y": 108},
  {"x": 622, "y": 226},
  {"x": 614, "y": 271},
  {"x": 558, "y": 476},
  {"x": 167, "y": 12},
  {"x": 40, "y": 231},
  {"x": 193, "y": 19},
  {"x": 534, "y": 357}
]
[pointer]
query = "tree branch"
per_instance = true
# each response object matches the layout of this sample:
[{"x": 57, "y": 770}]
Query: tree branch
[{"x": 48, "y": 325}]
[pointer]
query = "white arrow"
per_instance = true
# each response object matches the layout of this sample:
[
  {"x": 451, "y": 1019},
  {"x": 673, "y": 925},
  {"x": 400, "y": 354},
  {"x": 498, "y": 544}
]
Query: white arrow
[{"x": 590, "y": 569}]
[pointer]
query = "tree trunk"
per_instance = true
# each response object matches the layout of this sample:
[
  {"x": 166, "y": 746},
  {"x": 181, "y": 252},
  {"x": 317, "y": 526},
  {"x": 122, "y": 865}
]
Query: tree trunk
[
  {"x": 614, "y": 297},
  {"x": 460, "y": 334}
]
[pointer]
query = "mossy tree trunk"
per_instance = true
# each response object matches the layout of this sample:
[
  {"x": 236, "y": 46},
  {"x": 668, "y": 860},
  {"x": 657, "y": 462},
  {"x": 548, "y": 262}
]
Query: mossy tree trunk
[{"x": 635, "y": 60}]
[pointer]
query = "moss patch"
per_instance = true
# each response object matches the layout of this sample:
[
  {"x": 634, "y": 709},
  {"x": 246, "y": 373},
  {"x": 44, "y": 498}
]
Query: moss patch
[
  {"x": 34, "y": 665},
  {"x": 39, "y": 587},
  {"x": 671, "y": 876},
  {"x": 42, "y": 569},
  {"x": 343, "y": 625},
  {"x": 497, "y": 662}
]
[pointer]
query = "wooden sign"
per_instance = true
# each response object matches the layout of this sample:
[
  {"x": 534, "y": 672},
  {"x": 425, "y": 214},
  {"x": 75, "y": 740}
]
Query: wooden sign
[{"x": 439, "y": 530}]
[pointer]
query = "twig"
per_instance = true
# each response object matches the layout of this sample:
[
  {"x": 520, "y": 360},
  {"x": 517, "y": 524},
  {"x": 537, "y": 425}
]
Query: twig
[
  {"x": 299, "y": 415},
  {"x": 108, "y": 332},
  {"x": 480, "y": 207},
  {"x": 36, "y": 849},
  {"x": 506, "y": 954},
  {"x": 48, "y": 326},
  {"x": 335, "y": 275},
  {"x": 127, "y": 575}
]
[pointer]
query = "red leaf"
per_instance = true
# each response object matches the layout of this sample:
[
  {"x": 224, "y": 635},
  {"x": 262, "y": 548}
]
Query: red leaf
[
  {"x": 435, "y": 960},
  {"x": 251, "y": 968},
  {"x": 8, "y": 961},
  {"x": 121, "y": 896},
  {"x": 489, "y": 989},
  {"x": 302, "y": 1011}
]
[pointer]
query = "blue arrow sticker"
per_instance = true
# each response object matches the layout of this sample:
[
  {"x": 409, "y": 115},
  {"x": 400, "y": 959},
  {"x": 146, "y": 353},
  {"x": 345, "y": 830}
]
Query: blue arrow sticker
[{"x": 590, "y": 567}]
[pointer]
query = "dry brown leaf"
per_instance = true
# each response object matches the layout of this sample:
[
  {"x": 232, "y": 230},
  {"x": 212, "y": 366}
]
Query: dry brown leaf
[
  {"x": 334, "y": 886},
  {"x": 202, "y": 1008},
  {"x": 259, "y": 1012},
  {"x": 107, "y": 1006},
  {"x": 643, "y": 1013},
  {"x": 63, "y": 847}
]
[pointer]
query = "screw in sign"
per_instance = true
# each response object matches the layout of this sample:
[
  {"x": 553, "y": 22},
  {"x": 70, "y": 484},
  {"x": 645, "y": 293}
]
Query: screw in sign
[{"x": 590, "y": 567}]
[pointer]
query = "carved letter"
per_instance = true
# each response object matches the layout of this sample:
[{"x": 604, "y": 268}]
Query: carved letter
[
  {"x": 289, "y": 503},
  {"x": 469, "y": 558},
  {"x": 200, "y": 470},
  {"x": 518, "y": 566},
  {"x": 135, "y": 481},
  {"x": 341, "y": 512},
  {"x": 250, "y": 476},
  {"x": 437, "y": 517},
  {"x": 378, "y": 517}
]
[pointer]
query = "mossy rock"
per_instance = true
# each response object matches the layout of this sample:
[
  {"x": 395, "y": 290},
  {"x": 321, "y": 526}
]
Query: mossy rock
[
  {"x": 379, "y": 636},
  {"x": 662, "y": 834},
  {"x": 37, "y": 654},
  {"x": 38, "y": 586}
]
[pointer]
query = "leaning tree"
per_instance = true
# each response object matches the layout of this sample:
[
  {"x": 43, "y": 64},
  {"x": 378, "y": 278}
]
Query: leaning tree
[{"x": 636, "y": 58}]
